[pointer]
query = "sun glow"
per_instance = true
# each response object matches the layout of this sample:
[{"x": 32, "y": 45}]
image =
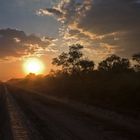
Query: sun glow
[{"x": 33, "y": 65}]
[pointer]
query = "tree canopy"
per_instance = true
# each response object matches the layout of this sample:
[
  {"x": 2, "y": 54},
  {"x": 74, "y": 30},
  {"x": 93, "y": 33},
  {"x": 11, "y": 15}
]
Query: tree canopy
[
  {"x": 73, "y": 62},
  {"x": 136, "y": 58},
  {"x": 114, "y": 64}
]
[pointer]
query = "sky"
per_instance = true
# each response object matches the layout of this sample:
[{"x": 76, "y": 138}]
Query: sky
[{"x": 45, "y": 28}]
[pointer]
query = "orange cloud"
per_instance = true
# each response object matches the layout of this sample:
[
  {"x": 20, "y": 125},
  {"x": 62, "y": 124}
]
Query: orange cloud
[{"x": 16, "y": 44}]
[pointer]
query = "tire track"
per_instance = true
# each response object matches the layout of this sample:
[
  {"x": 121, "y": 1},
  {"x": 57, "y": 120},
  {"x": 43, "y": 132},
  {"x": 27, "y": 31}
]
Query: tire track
[{"x": 20, "y": 126}]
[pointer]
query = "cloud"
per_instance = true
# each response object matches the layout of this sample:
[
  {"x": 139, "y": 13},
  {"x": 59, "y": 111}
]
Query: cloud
[
  {"x": 68, "y": 11},
  {"x": 16, "y": 44},
  {"x": 50, "y": 12},
  {"x": 117, "y": 18},
  {"x": 98, "y": 23}
]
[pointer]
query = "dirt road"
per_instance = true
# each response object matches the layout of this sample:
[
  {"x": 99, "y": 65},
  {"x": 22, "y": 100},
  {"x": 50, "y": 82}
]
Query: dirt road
[{"x": 40, "y": 118}]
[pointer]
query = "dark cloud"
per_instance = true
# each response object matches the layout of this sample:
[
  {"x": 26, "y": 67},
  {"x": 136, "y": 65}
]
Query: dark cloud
[
  {"x": 68, "y": 11},
  {"x": 54, "y": 11},
  {"x": 112, "y": 24},
  {"x": 111, "y": 16},
  {"x": 120, "y": 16},
  {"x": 16, "y": 44}
]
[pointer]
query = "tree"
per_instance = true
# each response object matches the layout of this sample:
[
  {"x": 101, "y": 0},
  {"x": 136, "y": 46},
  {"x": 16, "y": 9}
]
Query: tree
[
  {"x": 114, "y": 64},
  {"x": 73, "y": 61},
  {"x": 86, "y": 65},
  {"x": 30, "y": 76},
  {"x": 62, "y": 60},
  {"x": 136, "y": 58}
]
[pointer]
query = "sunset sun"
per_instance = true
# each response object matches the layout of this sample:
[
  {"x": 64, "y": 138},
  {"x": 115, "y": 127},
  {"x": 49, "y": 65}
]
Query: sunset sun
[{"x": 33, "y": 65}]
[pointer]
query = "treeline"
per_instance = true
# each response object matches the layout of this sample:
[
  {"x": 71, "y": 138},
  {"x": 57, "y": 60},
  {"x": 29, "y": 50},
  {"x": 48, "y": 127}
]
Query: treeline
[
  {"x": 113, "y": 84},
  {"x": 75, "y": 63}
]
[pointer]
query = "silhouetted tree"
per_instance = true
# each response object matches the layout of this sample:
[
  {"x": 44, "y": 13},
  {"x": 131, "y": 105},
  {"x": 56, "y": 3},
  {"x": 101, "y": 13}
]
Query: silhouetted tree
[
  {"x": 73, "y": 62},
  {"x": 86, "y": 66},
  {"x": 62, "y": 60},
  {"x": 30, "y": 76},
  {"x": 114, "y": 64},
  {"x": 136, "y": 58}
]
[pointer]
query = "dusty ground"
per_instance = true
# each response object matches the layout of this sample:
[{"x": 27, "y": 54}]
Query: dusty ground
[{"x": 48, "y": 119}]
